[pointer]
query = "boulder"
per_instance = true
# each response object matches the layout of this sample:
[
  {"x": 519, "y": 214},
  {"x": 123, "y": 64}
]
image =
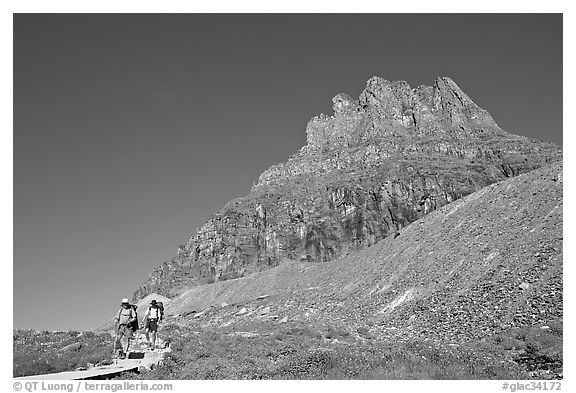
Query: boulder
[{"x": 242, "y": 311}]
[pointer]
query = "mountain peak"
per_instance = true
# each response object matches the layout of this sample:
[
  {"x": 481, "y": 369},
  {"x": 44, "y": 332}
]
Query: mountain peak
[
  {"x": 386, "y": 106},
  {"x": 377, "y": 164}
]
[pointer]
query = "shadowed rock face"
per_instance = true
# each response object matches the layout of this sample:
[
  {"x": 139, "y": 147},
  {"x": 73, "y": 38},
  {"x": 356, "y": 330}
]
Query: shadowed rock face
[
  {"x": 377, "y": 164},
  {"x": 487, "y": 263}
]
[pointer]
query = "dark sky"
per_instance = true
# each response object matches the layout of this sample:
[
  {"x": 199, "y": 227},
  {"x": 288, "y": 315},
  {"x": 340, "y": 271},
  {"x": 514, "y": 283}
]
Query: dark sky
[{"x": 131, "y": 130}]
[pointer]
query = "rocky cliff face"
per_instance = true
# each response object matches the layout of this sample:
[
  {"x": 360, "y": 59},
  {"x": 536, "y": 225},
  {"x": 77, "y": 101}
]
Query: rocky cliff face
[{"x": 377, "y": 164}]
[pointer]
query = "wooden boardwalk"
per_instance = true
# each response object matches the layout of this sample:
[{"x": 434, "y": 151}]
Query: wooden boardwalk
[{"x": 149, "y": 358}]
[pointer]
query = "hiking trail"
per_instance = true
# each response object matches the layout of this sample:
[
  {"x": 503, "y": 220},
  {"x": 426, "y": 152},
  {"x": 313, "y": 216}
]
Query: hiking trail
[{"x": 137, "y": 360}]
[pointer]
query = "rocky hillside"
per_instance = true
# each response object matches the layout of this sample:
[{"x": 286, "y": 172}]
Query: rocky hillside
[
  {"x": 471, "y": 291},
  {"x": 484, "y": 265},
  {"x": 378, "y": 163}
]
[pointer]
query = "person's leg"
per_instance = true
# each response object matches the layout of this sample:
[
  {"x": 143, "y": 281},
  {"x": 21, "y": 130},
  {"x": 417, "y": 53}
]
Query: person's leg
[
  {"x": 119, "y": 345},
  {"x": 153, "y": 330},
  {"x": 128, "y": 334},
  {"x": 117, "y": 342},
  {"x": 154, "y": 339}
]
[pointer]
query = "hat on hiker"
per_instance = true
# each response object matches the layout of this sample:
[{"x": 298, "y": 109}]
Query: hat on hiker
[
  {"x": 153, "y": 302},
  {"x": 125, "y": 301}
]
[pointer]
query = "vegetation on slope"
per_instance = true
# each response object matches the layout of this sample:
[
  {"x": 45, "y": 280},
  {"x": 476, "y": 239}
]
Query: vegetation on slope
[
  {"x": 298, "y": 351},
  {"x": 43, "y": 352},
  {"x": 301, "y": 352}
]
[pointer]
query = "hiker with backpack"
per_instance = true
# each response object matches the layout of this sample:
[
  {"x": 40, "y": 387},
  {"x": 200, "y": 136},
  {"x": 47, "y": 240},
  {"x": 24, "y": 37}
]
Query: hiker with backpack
[
  {"x": 124, "y": 321},
  {"x": 153, "y": 317}
]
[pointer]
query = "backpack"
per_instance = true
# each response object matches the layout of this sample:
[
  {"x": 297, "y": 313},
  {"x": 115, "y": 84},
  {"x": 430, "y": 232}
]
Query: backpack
[{"x": 134, "y": 325}]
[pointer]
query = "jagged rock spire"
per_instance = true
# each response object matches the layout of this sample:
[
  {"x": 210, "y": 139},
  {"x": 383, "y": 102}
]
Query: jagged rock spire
[{"x": 395, "y": 105}]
